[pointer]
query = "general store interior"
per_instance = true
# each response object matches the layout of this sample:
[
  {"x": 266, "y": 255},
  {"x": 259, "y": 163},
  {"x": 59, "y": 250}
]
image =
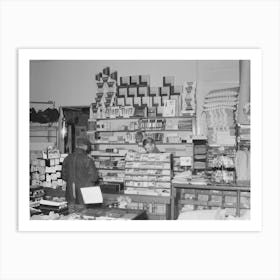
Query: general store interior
[{"x": 198, "y": 113}]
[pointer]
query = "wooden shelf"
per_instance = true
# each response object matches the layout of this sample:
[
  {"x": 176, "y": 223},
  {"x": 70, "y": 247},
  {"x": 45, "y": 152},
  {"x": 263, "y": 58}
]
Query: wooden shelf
[
  {"x": 141, "y": 130},
  {"x": 140, "y": 198},
  {"x": 135, "y": 144},
  {"x": 108, "y": 155},
  {"x": 147, "y": 168},
  {"x": 110, "y": 169},
  {"x": 153, "y": 216},
  {"x": 208, "y": 203},
  {"x": 145, "y": 118},
  {"x": 138, "y": 174},
  {"x": 43, "y": 125},
  {"x": 149, "y": 188},
  {"x": 43, "y": 128},
  {"x": 212, "y": 187},
  {"x": 149, "y": 161},
  {"x": 146, "y": 181},
  {"x": 223, "y": 188},
  {"x": 115, "y": 143}
]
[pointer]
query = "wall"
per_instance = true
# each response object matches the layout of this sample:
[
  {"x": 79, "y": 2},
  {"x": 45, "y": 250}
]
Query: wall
[{"x": 73, "y": 82}]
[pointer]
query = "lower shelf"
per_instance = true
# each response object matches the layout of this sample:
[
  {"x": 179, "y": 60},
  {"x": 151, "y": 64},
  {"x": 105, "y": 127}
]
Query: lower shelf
[
  {"x": 156, "y": 216},
  {"x": 139, "y": 198}
]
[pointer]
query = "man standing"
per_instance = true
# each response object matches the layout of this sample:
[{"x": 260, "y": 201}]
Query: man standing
[{"x": 78, "y": 170}]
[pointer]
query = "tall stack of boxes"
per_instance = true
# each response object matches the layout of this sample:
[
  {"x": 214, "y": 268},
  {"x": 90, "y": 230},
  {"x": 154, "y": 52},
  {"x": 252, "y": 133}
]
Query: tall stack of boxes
[
  {"x": 135, "y": 92},
  {"x": 46, "y": 171},
  {"x": 106, "y": 92}
]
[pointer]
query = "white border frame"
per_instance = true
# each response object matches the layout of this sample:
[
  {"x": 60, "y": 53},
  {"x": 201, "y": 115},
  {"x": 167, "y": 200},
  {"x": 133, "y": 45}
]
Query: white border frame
[{"x": 254, "y": 55}]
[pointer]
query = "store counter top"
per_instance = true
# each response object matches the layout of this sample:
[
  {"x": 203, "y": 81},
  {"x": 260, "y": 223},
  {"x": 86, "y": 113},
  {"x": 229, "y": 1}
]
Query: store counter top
[
  {"x": 97, "y": 213},
  {"x": 105, "y": 213}
]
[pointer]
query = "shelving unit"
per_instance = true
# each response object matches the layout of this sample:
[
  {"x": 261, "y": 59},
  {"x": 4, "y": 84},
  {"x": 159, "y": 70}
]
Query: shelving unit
[
  {"x": 125, "y": 113},
  {"x": 43, "y": 134},
  {"x": 136, "y": 182},
  {"x": 116, "y": 137},
  {"x": 209, "y": 190}
]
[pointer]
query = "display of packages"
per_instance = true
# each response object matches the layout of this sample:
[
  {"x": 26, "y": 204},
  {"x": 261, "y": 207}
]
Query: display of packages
[
  {"x": 46, "y": 171},
  {"x": 169, "y": 108},
  {"x": 147, "y": 174},
  {"x": 188, "y": 98}
]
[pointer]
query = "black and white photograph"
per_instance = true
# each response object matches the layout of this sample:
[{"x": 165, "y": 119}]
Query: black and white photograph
[
  {"x": 152, "y": 140},
  {"x": 154, "y": 143}
]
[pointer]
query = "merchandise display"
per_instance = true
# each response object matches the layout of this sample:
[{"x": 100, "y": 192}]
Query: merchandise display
[
  {"x": 196, "y": 164},
  {"x": 188, "y": 98},
  {"x": 157, "y": 182},
  {"x": 199, "y": 155},
  {"x": 45, "y": 171},
  {"x": 220, "y": 109},
  {"x": 221, "y": 164},
  {"x": 243, "y": 136}
]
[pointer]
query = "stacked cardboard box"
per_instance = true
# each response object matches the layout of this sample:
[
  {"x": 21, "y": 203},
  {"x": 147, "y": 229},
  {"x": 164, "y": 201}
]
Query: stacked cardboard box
[
  {"x": 46, "y": 171},
  {"x": 167, "y": 100}
]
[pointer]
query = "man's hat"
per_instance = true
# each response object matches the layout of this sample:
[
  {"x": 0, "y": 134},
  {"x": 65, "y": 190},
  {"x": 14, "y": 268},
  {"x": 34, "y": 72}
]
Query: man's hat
[{"x": 83, "y": 141}]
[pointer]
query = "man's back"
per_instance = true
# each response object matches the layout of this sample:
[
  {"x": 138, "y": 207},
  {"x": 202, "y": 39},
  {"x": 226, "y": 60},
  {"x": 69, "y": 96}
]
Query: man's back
[{"x": 80, "y": 170}]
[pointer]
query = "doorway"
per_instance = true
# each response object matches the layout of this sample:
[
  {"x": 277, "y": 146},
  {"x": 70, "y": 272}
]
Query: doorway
[{"x": 74, "y": 125}]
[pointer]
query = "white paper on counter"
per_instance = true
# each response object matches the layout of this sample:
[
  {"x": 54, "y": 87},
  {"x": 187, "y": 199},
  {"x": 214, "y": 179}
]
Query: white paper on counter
[{"x": 92, "y": 195}]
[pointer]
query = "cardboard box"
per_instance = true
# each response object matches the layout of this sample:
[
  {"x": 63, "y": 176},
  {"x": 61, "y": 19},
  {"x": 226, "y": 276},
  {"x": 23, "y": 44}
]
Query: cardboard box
[
  {"x": 165, "y": 91},
  {"x": 98, "y": 77},
  {"x": 58, "y": 168},
  {"x": 59, "y": 182},
  {"x": 152, "y": 112},
  {"x": 160, "y": 110},
  {"x": 35, "y": 176},
  {"x": 54, "y": 184},
  {"x": 53, "y": 154},
  {"x": 157, "y": 101},
  {"x": 124, "y": 81},
  {"x": 44, "y": 155},
  {"x": 42, "y": 162},
  {"x": 48, "y": 184},
  {"x": 137, "y": 101},
  {"x": 121, "y": 101},
  {"x": 129, "y": 101},
  {"x": 143, "y": 91},
  {"x": 122, "y": 92},
  {"x": 146, "y": 101},
  {"x": 42, "y": 170},
  {"x": 35, "y": 162},
  {"x": 154, "y": 91},
  {"x": 48, "y": 169},
  {"x": 177, "y": 90},
  {"x": 106, "y": 71},
  {"x": 134, "y": 80},
  {"x": 33, "y": 168},
  {"x": 132, "y": 91},
  {"x": 168, "y": 81},
  {"x": 169, "y": 109},
  {"x": 35, "y": 182},
  {"x": 48, "y": 178},
  {"x": 114, "y": 76},
  {"x": 144, "y": 79},
  {"x": 177, "y": 107}
]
